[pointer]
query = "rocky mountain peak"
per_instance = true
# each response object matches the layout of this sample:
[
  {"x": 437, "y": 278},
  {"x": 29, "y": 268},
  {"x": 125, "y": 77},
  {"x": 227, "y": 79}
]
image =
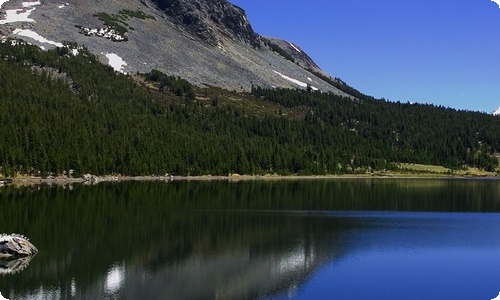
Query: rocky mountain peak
[{"x": 210, "y": 20}]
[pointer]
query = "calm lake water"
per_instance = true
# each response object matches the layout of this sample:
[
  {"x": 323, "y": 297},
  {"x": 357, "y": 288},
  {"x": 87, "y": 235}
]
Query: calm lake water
[{"x": 332, "y": 239}]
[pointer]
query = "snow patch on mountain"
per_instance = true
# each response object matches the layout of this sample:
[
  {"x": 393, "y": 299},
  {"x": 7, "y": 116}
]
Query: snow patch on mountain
[
  {"x": 35, "y": 36},
  {"x": 496, "y": 112},
  {"x": 116, "y": 62},
  {"x": 19, "y": 15},
  {"x": 297, "y": 82},
  {"x": 23, "y": 15}
]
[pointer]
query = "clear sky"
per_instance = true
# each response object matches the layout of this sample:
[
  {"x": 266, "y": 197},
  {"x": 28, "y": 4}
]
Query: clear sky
[{"x": 429, "y": 51}]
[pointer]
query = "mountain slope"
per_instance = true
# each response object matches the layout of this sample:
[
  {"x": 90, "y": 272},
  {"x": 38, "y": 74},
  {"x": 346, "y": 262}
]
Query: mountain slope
[
  {"x": 297, "y": 54},
  {"x": 205, "y": 42}
]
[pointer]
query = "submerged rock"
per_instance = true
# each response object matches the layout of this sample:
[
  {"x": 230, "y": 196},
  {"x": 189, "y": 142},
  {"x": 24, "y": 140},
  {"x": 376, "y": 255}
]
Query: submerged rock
[{"x": 15, "y": 246}]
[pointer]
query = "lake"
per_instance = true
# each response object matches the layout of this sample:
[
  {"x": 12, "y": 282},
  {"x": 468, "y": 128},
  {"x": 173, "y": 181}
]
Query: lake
[{"x": 310, "y": 239}]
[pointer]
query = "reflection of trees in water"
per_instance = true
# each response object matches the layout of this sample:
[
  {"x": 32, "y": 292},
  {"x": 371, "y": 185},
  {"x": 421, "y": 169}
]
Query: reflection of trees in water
[
  {"x": 201, "y": 238},
  {"x": 245, "y": 262}
]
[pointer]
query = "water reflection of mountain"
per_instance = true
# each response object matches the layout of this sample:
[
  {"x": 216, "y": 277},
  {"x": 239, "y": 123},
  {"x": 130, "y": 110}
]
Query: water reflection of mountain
[
  {"x": 202, "y": 240},
  {"x": 234, "y": 270},
  {"x": 236, "y": 255}
]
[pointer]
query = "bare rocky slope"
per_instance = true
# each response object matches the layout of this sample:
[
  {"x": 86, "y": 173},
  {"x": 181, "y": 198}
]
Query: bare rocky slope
[{"x": 208, "y": 42}]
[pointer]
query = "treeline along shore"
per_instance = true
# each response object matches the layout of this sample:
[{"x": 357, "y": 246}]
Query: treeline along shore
[{"x": 92, "y": 180}]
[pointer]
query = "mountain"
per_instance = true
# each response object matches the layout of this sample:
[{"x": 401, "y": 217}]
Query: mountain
[
  {"x": 496, "y": 112},
  {"x": 207, "y": 42}
]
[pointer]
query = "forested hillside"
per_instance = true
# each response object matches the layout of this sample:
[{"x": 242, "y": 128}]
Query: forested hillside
[
  {"x": 61, "y": 112},
  {"x": 401, "y": 132}
]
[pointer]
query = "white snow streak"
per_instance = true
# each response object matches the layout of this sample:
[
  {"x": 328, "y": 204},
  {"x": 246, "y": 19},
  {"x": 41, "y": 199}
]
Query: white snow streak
[
  {"x": 30, "y": 4},
  {"x": 36, "y": 36},
  {"x": 497, "y": 2},
  {"x": 116, "y": 62},
  {"x": 1, "y": 297},
  {"x": 295, "y": 47},
  {"x": 297, "y": 82}
]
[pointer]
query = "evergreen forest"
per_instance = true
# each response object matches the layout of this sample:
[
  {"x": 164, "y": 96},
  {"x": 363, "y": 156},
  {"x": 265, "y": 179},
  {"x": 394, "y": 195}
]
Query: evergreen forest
[{"x": 62, "y": 113}]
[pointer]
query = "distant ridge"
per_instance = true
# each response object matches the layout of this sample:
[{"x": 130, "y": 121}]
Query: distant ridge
[{"x": 496, "y": 112}]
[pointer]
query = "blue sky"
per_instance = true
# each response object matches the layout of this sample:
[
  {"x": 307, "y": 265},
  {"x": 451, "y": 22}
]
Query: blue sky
[{"x": 429, "y": 51}]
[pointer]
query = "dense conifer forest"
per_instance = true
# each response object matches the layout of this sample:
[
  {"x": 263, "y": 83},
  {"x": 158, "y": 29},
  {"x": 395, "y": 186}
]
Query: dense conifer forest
[{"x": 62, "y": 112}]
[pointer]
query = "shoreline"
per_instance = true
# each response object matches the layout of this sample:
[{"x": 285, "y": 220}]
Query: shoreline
[{"x": 92, "y": 180}]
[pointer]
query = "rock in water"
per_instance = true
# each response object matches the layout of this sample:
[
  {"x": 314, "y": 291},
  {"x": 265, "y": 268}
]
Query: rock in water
[{"x": 15, "y": 245}]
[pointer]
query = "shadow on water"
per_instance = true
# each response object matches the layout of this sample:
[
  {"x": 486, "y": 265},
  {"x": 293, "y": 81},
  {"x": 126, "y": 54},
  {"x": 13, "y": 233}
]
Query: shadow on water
[{"x": 204, "y": 240}]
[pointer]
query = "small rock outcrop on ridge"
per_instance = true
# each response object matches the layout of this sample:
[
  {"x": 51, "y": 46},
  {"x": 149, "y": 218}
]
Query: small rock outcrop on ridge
[{"x": 208, "y": 19}]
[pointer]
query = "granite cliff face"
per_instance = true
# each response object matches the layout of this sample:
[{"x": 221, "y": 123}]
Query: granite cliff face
[
  {"x": 208, "y": 19},
  {"x": 208, "y": 42}
]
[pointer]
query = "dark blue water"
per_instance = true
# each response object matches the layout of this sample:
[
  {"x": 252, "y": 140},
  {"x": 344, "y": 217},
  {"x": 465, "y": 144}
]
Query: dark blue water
[
  {"x": 333, "y": 239},
  {"x": 411, "y": 256}
]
